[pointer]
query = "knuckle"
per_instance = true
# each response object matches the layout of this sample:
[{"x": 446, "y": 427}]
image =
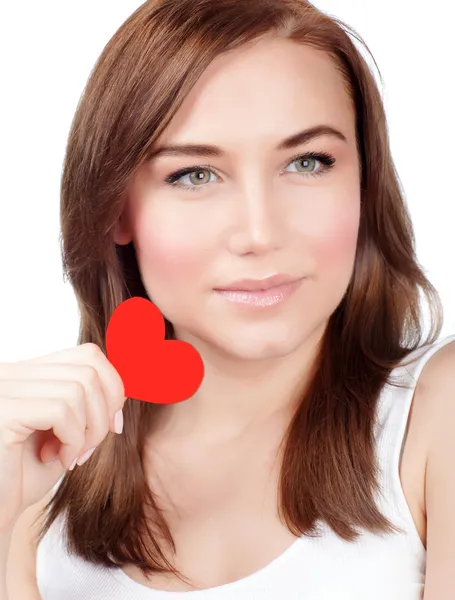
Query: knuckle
[
  {"x": 62, "y": 411},
  {"x": 77, "y": 403},
  {"x": 92, "y": 350},
  {"x": 77, "y": 391},
  {"x": 90, "y": 376}
]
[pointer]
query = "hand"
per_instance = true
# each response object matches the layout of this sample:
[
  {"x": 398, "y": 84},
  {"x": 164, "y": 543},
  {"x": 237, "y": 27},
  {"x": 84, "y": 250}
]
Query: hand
[{"x": 52, "y": 408}]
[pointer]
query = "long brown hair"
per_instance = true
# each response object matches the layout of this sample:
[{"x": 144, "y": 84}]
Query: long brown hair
[{"x": 329, "y": 469}]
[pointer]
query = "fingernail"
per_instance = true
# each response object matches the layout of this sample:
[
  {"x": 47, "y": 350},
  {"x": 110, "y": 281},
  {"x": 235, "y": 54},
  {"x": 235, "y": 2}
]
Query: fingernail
[
  {"x": 73, "y": 464},
  {"x": 82, "y": 459},
  {"x": 118, "y": 421}
]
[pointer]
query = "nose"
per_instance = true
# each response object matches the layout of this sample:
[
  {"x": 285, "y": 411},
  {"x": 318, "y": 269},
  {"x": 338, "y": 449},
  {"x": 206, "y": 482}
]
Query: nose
[{"x": 258, "y": 227}]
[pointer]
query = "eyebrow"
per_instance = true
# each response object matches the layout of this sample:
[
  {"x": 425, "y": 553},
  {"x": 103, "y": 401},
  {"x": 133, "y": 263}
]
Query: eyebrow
[{"x": 297, "y": 139}]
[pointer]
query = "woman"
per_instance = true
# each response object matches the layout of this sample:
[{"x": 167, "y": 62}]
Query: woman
[{"x": 229, "y": 161}]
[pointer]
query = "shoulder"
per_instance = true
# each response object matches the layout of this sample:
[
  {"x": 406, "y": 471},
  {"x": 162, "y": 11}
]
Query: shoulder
[
  {"x": 431, "y": 406},
  {"x": 435, "y": 402},
  {"x": 435, "y": 399},
  {"x": 442, "y": 363},
  {"x": 435, "y": 392}
]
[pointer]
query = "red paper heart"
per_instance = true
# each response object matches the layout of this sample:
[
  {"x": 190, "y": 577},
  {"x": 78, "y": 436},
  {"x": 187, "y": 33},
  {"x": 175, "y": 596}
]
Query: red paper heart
[{"x": 152, "y": 369}]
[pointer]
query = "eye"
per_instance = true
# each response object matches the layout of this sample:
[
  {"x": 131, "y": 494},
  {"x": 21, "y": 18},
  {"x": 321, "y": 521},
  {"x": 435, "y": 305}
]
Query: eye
[
  {"x": 307, "y": 163},
  {"x": 198, "y": 176}
]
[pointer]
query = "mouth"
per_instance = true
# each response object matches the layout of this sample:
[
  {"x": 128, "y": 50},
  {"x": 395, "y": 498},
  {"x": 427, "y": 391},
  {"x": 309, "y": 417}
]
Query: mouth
[
  {"x": 253, "y": 285},
  {"x": 260, "y": 293}
]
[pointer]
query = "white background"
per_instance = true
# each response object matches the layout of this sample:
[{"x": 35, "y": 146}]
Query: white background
[{"x": 47, "y": 50}]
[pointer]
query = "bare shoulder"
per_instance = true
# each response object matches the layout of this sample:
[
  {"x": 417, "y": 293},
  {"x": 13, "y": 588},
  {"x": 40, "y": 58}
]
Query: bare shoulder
[
  {"x": 436, "y": 405},
  {"x": 436, "y": 402},
  {"x": 434, "y": 396},
  {"x": 432, "y": 419},
  {"x": 442, "y": 363},
  {"x": 429, "y": 409},
  {"x": 22, "y": 555}
]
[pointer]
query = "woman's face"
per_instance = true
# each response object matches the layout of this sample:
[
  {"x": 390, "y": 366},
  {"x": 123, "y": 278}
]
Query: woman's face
[{"x": 256, "y": 211}]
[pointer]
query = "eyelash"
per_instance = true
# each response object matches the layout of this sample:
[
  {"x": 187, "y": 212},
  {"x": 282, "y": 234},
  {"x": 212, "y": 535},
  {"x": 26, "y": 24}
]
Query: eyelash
[{"x": 324, "y": 157}]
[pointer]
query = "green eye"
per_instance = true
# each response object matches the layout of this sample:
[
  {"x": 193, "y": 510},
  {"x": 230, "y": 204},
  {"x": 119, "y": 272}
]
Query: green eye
[
  {"x": 306, "y": 163},
  {"x": 197, "y": 180}
]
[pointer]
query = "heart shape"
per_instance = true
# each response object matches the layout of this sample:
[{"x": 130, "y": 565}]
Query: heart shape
[{"x": 152, "y": 369}]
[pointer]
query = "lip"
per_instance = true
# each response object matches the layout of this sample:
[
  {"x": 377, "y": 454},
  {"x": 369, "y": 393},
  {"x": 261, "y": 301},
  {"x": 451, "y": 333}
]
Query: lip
[
  {"x": 253, "y": 285},
  {"x": 263, "y": 297}
]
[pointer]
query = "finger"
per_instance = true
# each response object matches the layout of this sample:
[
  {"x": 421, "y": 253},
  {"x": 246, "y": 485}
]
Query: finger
[
  {"x": 99, "y": 377},
  {"x": 92, "y": 354},
  {"x": 26, "y": 386},
  {"x": 111, "y": 381},
  {"x": 41, "y": 414},
  {"x": 61, "y": 356},
  {"x": 96, "y": 406},
  {"x": 50, "y": 450},
  {"x": 84, "y": 393}
]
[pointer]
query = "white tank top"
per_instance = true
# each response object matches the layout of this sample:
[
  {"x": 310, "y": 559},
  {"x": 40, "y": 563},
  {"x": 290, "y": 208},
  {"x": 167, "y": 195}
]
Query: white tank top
[{"x": 379, "y": 567}]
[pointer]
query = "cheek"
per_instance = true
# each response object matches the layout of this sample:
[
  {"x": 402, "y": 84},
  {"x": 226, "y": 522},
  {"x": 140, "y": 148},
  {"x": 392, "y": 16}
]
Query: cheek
[
  {"x": 334, "y": 241},
  {"x": 169, "y": 254},
  {"x": 338, "y": 245}
]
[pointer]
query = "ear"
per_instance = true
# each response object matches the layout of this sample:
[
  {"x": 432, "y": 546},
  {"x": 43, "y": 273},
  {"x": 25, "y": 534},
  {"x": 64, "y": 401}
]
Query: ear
[{"x": 122, "y": 233}]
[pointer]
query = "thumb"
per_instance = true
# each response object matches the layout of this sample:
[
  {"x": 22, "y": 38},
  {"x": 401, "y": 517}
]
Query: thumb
[{"x": 50, "y": 451}]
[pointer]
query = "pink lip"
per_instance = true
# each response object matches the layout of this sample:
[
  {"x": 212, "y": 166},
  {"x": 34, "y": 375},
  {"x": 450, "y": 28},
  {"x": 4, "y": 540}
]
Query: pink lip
[
  {"x": 260, "y": 298},
  {"x": 250, "y": 285}
]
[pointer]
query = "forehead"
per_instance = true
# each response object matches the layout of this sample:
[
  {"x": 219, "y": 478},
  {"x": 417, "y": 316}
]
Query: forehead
[{"x": 264, "y": 90}]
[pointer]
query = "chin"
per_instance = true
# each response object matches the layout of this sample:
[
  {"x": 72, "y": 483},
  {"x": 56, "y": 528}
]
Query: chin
[
  {"x": 247, "y": 341},
  {"x": 263, "y": 344}
]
